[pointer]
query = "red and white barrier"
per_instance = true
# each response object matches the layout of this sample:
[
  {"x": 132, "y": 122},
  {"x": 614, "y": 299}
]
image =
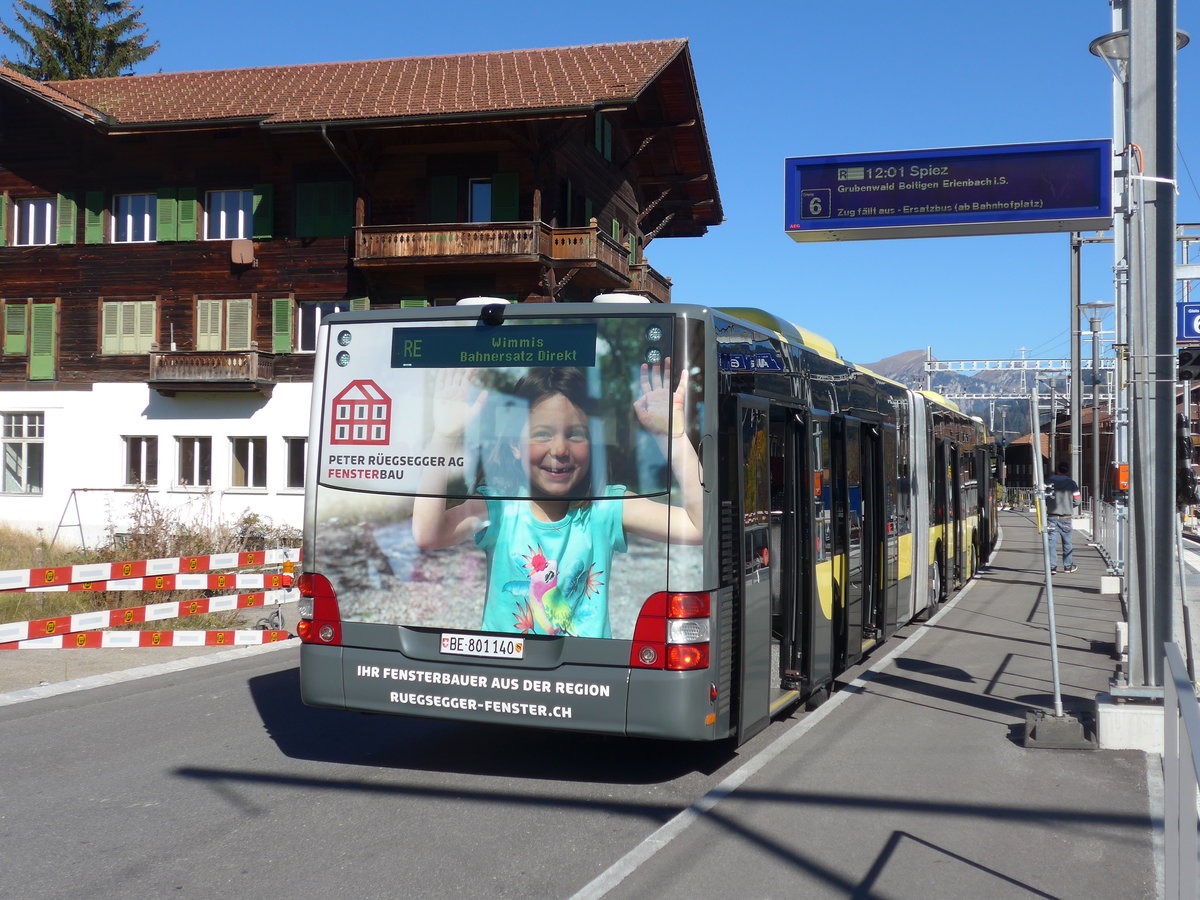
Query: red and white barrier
[
  {"x": 232, "y": 581},
  {"x": 112, "y": 618},
  {"x": 130, "y": 639},
  {"x": 97, "y": 573}
]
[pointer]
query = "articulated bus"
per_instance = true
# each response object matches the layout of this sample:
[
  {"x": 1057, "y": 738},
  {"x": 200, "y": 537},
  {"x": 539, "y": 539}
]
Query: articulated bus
[{"x": 661, "y": 521}]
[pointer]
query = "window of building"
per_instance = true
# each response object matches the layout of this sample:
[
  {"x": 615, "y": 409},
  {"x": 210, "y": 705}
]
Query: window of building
[
  {"x": 228, "y": 214},
  {"x": 23, "y": 435},
  {"x": 479, "y": 200},
  {"x": 249, "y": 469},
  {"x": 128, "y": 326},
  {"x": 194, "y": 467},
  {"x": 134, "y": 217},
  {"x": 308, "y": 318},
  {"x": 297, "y": 460},
  {"x": 141, "y": 460},
  {"x": 224, "y": 324},
  {"x": 34, "y": 221}
]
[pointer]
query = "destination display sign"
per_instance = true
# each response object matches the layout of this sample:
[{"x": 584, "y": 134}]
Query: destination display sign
[
  {"x": 1008, "y": 189},
  {"x": 511, "y": 345}
]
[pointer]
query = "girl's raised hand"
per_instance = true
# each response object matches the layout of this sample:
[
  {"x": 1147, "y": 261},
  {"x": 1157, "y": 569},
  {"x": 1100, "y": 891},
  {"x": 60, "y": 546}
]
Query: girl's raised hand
[
  {"x": 453, "y": 406},
  {"x": 659, "y": 409}
]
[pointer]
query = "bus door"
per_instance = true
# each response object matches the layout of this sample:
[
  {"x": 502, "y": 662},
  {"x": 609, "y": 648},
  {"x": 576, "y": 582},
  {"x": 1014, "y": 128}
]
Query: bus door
[
  {"x": 822, "y": 583},
  {"x": 941, "y": 513},
  {"x": 754, "y": 622},
  {"x": 848, "y": 537},
  {"x": 957, "y": 511},
  {"x": 872, "y": 515},
  {"x": 787, "y": 557}
]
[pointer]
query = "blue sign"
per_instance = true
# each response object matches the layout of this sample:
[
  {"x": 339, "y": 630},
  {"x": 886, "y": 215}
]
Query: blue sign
[
  {"x": 1015, "y": 188},
  {"x": 1187, "y": 321},
  {"x": 750, "y": 362}
]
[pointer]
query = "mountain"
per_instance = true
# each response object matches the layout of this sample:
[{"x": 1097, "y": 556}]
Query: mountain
[{"x": 1008, "y": 415}]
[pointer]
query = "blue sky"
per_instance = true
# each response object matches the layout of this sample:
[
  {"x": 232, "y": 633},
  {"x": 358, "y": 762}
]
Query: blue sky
[{"x": 795, "y": 79}]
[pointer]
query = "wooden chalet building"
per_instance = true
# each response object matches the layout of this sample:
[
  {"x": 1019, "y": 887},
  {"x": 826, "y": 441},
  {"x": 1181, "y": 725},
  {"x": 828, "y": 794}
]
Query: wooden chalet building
[{"x": 168, "y": 244}]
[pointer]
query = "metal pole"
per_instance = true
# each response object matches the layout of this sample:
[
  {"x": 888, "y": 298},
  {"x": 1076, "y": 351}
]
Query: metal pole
[
  {"x": 1039, "y": 500},
  {"x": 1095, "y": 324},
  {"x": 1075, "y": 400},
  {"x": 1152, "y": 129}
]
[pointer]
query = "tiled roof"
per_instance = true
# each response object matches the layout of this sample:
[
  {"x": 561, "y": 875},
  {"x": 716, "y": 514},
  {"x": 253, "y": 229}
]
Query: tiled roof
[
  {"x": 379, "y": 89},
  {"x": 47, "y": 92}
]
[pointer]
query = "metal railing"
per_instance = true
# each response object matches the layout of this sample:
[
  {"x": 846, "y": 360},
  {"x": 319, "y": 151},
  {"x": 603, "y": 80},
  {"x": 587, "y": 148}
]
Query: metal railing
[
  {"x": 1181, "y": 764},
  {"x": 1109, "y": 539}
]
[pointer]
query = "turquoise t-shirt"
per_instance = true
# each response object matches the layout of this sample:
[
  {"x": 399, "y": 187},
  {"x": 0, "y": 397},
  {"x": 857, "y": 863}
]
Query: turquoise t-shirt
[{"x": 551, "y": 577}]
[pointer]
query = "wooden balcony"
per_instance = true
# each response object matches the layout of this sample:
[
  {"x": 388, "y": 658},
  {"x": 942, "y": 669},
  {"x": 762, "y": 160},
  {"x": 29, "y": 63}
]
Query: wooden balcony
[
  {"x": 588, "y": 247},
  {"x": 211, "y": 370},
  {"x": 645, "y": 280}
]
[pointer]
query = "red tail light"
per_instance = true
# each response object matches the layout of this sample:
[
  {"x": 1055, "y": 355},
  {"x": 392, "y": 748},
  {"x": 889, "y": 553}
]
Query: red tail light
[
  {"x": 672, "y": 632},
  {"x": 320, "y": 618}
]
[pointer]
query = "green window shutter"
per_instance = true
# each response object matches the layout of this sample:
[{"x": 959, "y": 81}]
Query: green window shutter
[
  {"x": 598, "y": 137},
  {"x": 281, "y": 325},
  {"x": 187, "y": 214},
  {"x": 607, "y": 149},
  {"x": 587, "y": 211},
  {"x": 240, "y": 324},
  {"x": 110, "y": 328},
  {"x": 506, "y": 197},
  {"x": 341, "y": 219},
  {"x": 443, "y": 198},
  {"x": 616, "y": 231},
  {"x": 307, "y": 203},
  {"x": 413, "y": 302},
  {"x": 42, "y": 341},
  {"x": 16, "y": 338},
  {"x": 264, "y": 211},
  {"x": 208, "y": 325},
  {"x": 93, "y": 217},
  {"x": 128, "y": 326},
  {"x": 66, "y": 219},
  {"x": 632, "y": 250},
  {"x": 147, "y": 333},
  {"x": 166, "y": 219},
  {"x": 357, "y": 303}
]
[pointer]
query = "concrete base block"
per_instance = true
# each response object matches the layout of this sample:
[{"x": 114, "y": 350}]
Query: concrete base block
[
  {"x": 1110, "y": 584},
  {"x": 1051, "y": 732},
  {"x": 1129, "y": 726}
]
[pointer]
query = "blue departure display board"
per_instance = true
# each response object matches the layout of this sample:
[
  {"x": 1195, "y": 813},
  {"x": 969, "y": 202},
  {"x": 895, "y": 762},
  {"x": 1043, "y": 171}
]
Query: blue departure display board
[{"x": 1008, "y": 189}]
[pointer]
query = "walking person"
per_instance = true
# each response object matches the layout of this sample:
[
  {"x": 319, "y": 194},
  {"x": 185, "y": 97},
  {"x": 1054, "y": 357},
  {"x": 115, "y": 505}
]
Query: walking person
[{"x": 1062, "y": 496}]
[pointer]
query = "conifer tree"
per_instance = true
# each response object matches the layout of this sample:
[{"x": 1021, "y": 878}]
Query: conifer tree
[{"x": 77, "y": 39}]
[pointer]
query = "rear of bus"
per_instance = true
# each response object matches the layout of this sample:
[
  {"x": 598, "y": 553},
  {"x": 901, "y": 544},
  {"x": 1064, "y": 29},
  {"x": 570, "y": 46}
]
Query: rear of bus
[{"x": 433, "y": 585}]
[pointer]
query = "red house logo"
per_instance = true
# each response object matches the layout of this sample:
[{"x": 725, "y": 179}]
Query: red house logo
[{"x": 362, "y": 414}]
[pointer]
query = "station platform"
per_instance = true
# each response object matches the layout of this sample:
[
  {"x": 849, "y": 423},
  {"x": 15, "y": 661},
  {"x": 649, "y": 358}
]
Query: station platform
[{"x": 915, "y": 781}]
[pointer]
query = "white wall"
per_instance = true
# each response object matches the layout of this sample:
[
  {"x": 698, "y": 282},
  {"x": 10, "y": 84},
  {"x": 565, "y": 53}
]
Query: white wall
[{"x": 85, "y": 452}]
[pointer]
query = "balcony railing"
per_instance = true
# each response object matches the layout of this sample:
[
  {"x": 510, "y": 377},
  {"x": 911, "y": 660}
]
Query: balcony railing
[
  {"x": 520, "y": 242},
  {"x": 216, "y": 370},
  {"x": 383, "y": 244},
  {"x": 645, "y": 280}
]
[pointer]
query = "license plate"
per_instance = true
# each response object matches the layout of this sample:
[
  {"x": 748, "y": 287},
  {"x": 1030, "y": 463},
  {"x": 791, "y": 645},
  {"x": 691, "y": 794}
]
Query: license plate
[{"x": 482, "y": 645}]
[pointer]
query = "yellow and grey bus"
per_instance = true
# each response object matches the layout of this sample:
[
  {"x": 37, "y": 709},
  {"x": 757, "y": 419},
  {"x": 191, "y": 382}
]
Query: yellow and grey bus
[{"x": 662, "y": 521}]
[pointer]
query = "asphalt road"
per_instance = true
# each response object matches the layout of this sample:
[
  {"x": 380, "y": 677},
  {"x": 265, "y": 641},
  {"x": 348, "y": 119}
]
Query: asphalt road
[{"x": 217, "y": 782}]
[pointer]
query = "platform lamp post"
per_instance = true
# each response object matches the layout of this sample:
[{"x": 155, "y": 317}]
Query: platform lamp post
[
  {"x": 1141, "y": 54},
  {"x": 1094, "y": 321}
]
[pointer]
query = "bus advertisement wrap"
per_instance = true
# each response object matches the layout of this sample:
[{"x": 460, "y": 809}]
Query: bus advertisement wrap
[{"x": 478, "y": 482}]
